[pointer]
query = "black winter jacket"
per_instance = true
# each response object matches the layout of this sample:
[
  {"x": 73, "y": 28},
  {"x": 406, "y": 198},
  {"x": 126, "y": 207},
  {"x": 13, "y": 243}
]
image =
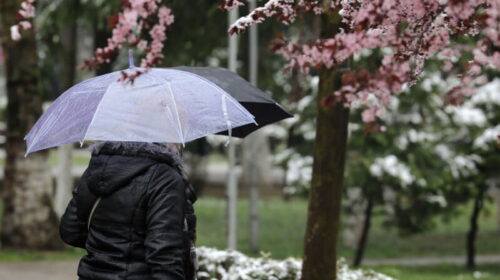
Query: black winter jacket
[{"x": 138, "y": 228}]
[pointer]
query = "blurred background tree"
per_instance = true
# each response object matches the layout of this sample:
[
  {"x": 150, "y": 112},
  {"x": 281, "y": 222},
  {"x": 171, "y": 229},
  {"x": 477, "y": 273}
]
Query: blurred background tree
[{"x": 29, "y": 220}]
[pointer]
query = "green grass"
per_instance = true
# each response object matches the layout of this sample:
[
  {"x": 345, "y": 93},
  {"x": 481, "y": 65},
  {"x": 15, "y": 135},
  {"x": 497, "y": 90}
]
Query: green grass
[
  {"x": 283, "y": 227},
  {"x": 21, "y": 255},
  {"x": 440, "y": 272},
  {"x": 281, "y": 232},
  {"x": 78, "y": 160}
]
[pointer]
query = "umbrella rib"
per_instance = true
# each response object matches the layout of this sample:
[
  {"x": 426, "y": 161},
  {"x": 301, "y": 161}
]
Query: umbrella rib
[
  {"x": 215, "y": 86},
  {"x": 226, "y": 117},
  {"x": 176, "y": 111},
  {"x": 95, "y": 113}
]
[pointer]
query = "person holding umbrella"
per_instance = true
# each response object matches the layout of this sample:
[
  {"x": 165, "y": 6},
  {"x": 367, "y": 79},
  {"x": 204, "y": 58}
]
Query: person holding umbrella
[
  {"x": 132, "y": 210},
  {"x": 133, "y": 213}
]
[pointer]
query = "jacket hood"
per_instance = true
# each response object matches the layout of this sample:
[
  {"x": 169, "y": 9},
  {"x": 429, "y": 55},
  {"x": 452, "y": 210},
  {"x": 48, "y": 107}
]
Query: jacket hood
[{"x": 115, "y": 164}]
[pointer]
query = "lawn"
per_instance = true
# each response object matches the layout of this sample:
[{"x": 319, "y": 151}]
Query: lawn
[
  {"x": 441, "y": 272},
  {"x": 283, "y": 225}
]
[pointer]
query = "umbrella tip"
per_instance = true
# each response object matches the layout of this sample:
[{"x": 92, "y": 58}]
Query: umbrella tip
[{"x": 131, "y": 59}]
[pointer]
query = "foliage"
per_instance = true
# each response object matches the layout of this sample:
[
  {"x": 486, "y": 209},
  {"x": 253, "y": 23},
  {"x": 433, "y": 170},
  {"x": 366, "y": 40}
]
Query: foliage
[{"x": 409, "y": 33}]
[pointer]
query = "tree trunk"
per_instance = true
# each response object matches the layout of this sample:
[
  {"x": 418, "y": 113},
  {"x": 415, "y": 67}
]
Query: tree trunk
[
  {"x": 29, "y": 220},
  {"x": 474, "y": 228},
  {"x": 320, "y": 242},
  {"x": 363, "y": 239}
]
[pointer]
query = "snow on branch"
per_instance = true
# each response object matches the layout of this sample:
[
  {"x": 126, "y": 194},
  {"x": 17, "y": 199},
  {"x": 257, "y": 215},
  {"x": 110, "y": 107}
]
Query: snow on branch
[{"x": 285, "y": 10}]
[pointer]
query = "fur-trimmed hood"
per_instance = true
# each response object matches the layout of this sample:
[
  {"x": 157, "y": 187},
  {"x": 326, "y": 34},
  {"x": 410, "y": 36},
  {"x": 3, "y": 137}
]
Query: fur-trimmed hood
[
  {"x": 153, "y": 150},
  {"x": 114, "y": 164}
]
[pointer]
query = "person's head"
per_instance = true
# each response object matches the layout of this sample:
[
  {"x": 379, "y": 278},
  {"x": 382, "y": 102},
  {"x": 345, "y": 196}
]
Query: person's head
[{"x": 175, "y": 146}]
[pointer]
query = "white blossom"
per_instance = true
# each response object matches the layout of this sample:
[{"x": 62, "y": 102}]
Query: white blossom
[
  {"x": 490, "y": 135},
  {"x": 299, "y": 169},
  {"x": 438, "y": 199},
  {"x": 464, "y": 165},
  {"x": 487, "y": 94},
  {"x": 466, "y": 115},
  {"x": 391, "y": 166},
  {"x": 414, "y": 136}
]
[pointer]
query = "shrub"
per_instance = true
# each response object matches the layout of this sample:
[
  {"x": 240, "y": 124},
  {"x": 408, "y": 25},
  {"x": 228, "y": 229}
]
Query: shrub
[{"x": 232, "y": 265}]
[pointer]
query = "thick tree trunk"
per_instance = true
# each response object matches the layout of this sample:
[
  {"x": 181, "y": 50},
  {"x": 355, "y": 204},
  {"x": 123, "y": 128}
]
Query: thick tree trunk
[
  {"x": 29, "y": 220},
  {"x": 363, "y": 239},
  {"x": 474, "y": 228},
  {"x": 320, "y": 242}
]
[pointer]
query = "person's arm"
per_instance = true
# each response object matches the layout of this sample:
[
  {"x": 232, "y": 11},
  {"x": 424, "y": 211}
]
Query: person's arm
[
  {"x": 164, "y": 221},
  {"x": 73, "y": 230}
]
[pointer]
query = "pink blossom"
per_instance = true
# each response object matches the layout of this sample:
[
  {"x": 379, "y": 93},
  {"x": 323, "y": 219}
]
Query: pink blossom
[
  {"x": 429, "y": 29},
  {"x": 131, "y": 24},
  {"x": 25, "y": 24},
  {"x": 27, "y": 11}
]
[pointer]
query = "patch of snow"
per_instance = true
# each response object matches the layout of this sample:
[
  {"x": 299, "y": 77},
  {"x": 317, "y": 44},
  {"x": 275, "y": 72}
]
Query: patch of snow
[{"x": 233, "y": 265}]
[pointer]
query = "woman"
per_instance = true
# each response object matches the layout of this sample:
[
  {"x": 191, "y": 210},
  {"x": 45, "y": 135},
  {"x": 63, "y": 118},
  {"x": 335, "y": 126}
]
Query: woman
[{"x": 132, "y": 211}]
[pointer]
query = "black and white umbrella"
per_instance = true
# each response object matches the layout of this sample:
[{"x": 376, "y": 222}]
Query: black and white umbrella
[{"x": 258, "y": 103}]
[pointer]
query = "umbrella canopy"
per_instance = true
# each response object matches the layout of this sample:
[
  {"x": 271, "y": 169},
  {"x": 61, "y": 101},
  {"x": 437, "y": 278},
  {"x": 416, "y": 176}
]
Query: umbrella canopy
[
  {"x": 257, "y": 102},
  {"x": 162, "y": 105}
]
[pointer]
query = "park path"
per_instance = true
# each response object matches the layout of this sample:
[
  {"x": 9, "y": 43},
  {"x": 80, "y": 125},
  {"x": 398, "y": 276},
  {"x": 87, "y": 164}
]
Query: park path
[
  {"x": 66, "y": 270},
  {"x": 39, "y": 270},
  {"x": 423, "y": 261}
]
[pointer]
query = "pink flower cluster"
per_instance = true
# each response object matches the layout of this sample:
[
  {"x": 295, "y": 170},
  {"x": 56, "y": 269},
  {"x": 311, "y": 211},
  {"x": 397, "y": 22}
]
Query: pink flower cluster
[
  {"x": 25, "y": 13},
  {"x": 132, "y": 25},
  {"x": 408, "y": 32}
]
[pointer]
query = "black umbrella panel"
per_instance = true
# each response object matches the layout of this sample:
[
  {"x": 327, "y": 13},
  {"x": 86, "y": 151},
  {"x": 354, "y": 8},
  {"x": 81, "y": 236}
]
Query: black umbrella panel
[{"x": 257, "y": 102}]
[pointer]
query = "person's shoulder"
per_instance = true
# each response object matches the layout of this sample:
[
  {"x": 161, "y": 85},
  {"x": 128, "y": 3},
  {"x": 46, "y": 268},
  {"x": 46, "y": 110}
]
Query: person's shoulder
[{"x": 165, "y": 174}]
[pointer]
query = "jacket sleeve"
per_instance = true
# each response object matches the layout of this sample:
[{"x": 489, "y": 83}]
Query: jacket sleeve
[
  {"x": 164, "y": 221},
  {"x": 72, "y": 229}
]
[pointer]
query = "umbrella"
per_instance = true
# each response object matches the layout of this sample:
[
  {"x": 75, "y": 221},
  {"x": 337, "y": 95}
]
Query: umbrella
[
  {"x": 162, "y": 105},
  {"x": 257, "y": 102}
]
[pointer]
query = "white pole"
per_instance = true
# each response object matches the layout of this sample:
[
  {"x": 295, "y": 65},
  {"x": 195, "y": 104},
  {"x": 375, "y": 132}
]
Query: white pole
[
  {"x": 64, "y": 178},
  {"x": 232, "y": 187},
  {"x": 253, "y": 185}
]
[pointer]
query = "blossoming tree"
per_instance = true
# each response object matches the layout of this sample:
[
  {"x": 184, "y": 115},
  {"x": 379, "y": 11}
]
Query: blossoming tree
[{"x": 410, "y": 33}]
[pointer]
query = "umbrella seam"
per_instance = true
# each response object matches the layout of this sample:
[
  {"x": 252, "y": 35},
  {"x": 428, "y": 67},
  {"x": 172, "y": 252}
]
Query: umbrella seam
[
  {"x": 95, "y": 113},
  {"x": 176, "y": 111},
  {"x": 230, "y": 98}
]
